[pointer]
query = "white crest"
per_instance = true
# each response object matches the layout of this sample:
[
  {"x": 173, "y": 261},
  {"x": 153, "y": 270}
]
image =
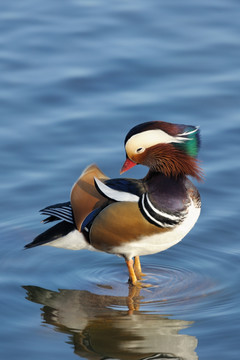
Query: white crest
[
  {"x": 150, "y": 138},
  {"x": 190, "y": 132}
]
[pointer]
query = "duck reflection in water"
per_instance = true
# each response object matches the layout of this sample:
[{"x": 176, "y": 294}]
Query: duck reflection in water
[{"x": 101, "y": 329}]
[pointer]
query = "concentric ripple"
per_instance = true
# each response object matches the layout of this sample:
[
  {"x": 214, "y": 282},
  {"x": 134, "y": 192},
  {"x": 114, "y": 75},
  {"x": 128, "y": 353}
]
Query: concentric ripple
[
  {"x": 163, "y": 286},
  {"x": 175, "y": 286}
]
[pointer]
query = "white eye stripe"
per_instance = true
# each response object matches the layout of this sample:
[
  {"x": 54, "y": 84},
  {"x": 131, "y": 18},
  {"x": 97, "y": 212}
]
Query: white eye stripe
[{"x": 150, "y": 138}]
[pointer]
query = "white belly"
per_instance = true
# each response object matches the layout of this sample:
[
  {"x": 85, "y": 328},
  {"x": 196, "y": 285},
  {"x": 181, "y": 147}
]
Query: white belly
[
  {"x": 155, "y": 243},
  {"x": 72, "y": 241}
]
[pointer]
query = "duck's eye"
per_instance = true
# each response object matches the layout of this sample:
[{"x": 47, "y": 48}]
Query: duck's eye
[{"x": 140, "y": 150}]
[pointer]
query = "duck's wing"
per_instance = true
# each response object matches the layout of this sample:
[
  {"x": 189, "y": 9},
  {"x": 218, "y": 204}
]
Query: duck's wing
[
  {"x": 61, "y": 211},
  {"x": 115, "y": 192},
  {"x": 131, "y": 190},
  {"x": 132, "y": 186},
  {"x": 84, "y": 195},
  {"x": 120, "y": 189}
]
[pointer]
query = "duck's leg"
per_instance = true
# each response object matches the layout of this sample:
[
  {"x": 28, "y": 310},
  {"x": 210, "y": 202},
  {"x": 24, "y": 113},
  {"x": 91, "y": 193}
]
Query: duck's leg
[
  {"x": 138, "y": 268},
  {"x": 132, "y": 275},
  {"x": 137, "y": 265},
  {"x": 133, "y": 279}
]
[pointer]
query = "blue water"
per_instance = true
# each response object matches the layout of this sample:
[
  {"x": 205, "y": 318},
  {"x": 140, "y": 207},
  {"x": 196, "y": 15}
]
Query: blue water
[{"x": 75, "y": 77}]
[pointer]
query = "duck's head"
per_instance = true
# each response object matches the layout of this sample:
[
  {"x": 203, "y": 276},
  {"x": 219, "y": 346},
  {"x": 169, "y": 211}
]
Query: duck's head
[{"x": 164, "y": 147}]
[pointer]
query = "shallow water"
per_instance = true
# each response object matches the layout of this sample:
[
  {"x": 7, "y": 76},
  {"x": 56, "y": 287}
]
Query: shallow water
[{"x": 75, "y": 77}]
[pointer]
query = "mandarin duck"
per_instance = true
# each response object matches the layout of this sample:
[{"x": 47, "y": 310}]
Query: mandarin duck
[{"x": 130, "y": 217}]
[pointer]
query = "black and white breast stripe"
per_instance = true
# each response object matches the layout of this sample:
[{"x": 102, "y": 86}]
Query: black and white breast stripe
[
  {"x": 61, "y": 211},
  {"x": 158, "y": 217}
]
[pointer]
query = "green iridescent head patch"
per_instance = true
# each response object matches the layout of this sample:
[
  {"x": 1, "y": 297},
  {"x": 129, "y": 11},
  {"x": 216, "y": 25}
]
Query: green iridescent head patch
[{"x": 189, "y": 140}]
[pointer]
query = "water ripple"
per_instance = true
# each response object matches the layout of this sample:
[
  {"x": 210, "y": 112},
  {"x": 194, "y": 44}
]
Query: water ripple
[{"x": 164, "y": 286}]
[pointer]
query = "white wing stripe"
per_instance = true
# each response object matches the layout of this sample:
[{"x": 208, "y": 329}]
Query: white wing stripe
[
  {"x": 58, "y": 214},
  {"x": 57, "y": 211},
  {"x": 115, "y": 194}
]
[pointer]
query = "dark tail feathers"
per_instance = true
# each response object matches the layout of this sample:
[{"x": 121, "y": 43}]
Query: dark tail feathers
[{"x": 55, "y": 232}]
